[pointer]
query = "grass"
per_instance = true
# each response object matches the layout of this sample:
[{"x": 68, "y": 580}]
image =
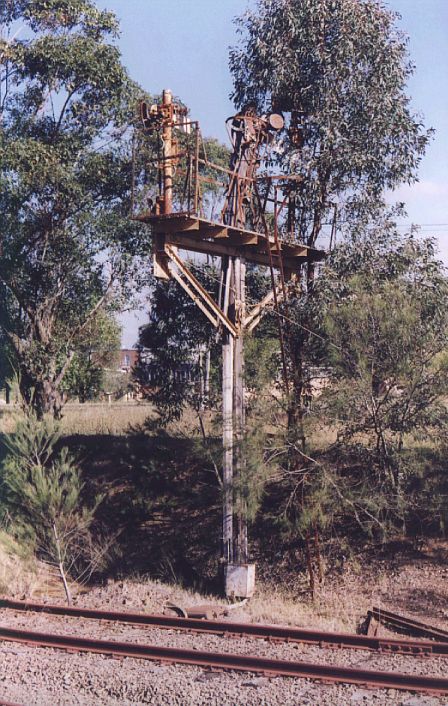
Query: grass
[
  {"x": 90, "y": 418},
  {"x": 115, "y": 419},
  {"x": 162, "y": 495},
  {"x": 18, "y": 569}
]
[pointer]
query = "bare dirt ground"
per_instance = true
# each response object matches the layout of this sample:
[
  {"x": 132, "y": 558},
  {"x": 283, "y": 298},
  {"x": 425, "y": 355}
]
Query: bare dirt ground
[{"x": 414, "y": 584}]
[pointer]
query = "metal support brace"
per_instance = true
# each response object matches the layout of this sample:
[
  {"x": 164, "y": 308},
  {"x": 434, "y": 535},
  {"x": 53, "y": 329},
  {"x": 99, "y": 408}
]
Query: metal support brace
[
  {"x": 197, "y": 292},
  {"x": 253, "y": 318}
]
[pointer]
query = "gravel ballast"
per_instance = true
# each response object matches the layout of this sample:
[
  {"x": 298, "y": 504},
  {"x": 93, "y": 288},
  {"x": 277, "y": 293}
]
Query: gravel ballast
[{"x": 51, "y": 677}]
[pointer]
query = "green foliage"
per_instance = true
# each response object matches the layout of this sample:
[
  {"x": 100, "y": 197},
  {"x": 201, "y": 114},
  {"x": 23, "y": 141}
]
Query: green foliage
[
  {"x": 69, "y": 248},
  {"x": 337, "y": 70},
  {"x": 6, "y": 362},
  {"x": 174, "y": 338},
  {"x": 340, "y": 68},
  {"x": 84, "y": 378},
  {"x": 375, "y": 331},
  {"x": 116, "y": 383},
  {"x": 387, "y": 352},
  {"x": 261, "y": 362},
  {"x": 97, "y": 349},
  {"x": 43, "y": 492}
]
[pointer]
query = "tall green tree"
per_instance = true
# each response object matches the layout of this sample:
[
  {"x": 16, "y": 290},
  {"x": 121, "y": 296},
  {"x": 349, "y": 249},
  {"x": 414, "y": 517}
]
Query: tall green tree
[
  {"x": 377, "y": 425},
  {"x": 175, "y": 340},
  {"x": 387, "y": 357},
  {"x": 337, "y": 70},
  {"x": 68, "y": 247},
  {"x": 98, "y": 348}
]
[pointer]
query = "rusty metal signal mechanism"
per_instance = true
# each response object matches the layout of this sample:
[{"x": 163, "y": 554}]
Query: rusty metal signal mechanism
[
  {"x": 241, "y": 212},
  {"x": 255, "y": 219}
]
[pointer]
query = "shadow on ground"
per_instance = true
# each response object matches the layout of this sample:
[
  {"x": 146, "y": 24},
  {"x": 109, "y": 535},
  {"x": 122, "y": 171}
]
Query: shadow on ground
[{"x": 162, "y": 501}]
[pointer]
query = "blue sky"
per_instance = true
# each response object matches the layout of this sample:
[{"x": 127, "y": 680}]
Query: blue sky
[{"x": 183, "y": 45}]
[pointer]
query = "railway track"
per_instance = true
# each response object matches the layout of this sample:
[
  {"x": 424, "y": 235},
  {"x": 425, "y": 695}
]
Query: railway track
[
  {"x": 239, "y": 662},
  {"x": 406, "y": 625},
  {"x": 243, "y": 663},
  {"x": 273, "y": 633}
]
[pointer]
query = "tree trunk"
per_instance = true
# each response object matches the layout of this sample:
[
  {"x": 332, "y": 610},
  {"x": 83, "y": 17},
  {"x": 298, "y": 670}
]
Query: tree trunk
[
  {"x": 42, "y": 396},
  {"x": 61, "y": 564},
  {"x": 296, "y": 431},
  {"x": 310, "y": 566}
]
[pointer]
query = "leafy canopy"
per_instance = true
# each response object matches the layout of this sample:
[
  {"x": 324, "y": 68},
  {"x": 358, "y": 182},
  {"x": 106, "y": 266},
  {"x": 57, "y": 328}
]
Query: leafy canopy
[
  {"x": 339, "y": 68},
  {"x": 387, "y": 324},
  {"x": 69, "y": 249}
]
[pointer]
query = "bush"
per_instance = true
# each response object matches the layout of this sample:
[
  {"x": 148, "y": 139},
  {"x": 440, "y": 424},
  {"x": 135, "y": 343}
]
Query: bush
[{"x": 42, "y": 490}]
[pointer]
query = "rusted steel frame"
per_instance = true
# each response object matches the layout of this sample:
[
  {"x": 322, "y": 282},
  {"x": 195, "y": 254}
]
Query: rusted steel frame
[
  {"x": 205, "y": 179},
  {"x": 194, "y": 297},
  {"x": 186, "y": 174},
  {"x": 274, "y": 290},
  {"x": 244, "y": 663},
  {"x": 253, "y": 317},
  {"x": 173, "y": 156},
  {"x": 233, "y": 177},
  {"x": 210, "y": 180},
  {"x": 282, "y": 204},
  {"x": 224, "y": 627},
  {"x": 218, "y": 248},
  {"x": 196, "y": 171},
  {"x": 223, "y": 169},
  {"x": 200, "y": 295},
  {"x": 290, "y": 259},
  {"x": 167, "y": 146},
  {"x": 189, "y": 178},
  {"x": 280, "y": 177},
  {"x": 408, "y": 624},
  {"x": 179, "y": 126},
  {"x": 238, "y": 187}
]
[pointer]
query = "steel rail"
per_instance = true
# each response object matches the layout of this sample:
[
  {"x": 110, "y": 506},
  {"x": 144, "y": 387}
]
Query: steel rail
[
  {"x": 273, "y": 633},
  {"x": 235, "y": 662},
  {"x": 400, "y": 622}
]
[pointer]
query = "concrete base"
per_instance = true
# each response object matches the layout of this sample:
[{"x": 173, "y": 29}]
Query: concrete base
[{"x": 240, "y": 580}]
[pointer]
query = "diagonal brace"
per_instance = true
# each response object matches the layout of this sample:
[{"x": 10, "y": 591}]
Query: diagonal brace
[
  {"x": 196, "y": 291},
  {"x": 254, "y": 316}
]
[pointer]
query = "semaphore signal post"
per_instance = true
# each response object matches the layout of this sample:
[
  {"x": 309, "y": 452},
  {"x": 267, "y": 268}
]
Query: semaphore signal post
[{"x": 259, "y": 223}]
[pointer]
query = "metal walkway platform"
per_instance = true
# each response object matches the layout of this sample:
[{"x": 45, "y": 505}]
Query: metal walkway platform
[{"x": 190, "y": 232}]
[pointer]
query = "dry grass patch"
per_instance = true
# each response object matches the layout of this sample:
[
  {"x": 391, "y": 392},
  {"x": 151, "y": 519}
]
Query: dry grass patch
[
  {"x": 89, "y": 418},
  {"x": 8, "y": 419},
  {"x": 115, "y": 419},
  {"x": 18, "y": 569}
]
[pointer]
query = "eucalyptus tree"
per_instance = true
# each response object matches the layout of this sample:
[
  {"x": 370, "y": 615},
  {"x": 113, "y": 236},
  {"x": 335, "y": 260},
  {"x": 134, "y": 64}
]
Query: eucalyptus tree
[
  {"x": 68, "y": 246},
  {"x": 338, "y": 70},
  {"x": 174, "y": 340},
  {"x": 386, "y": 319}
]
